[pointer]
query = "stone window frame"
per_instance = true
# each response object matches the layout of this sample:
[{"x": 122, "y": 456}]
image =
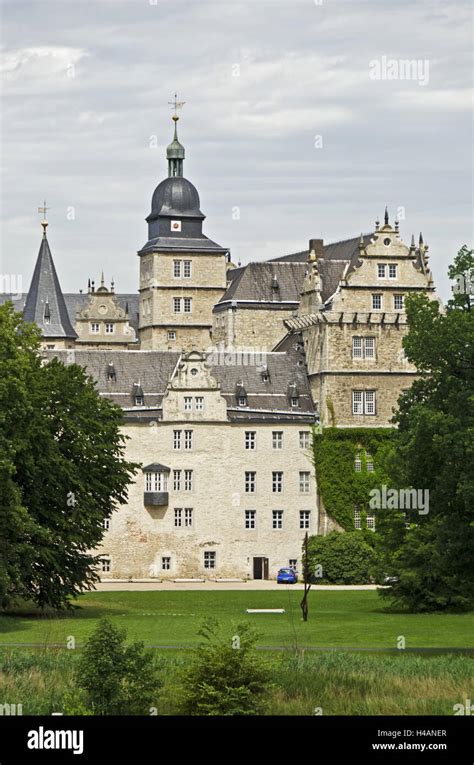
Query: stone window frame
[
  {"x": 277, "y": 481},
  {"x": 363, "y": 402},
  {"x": 250, "y": 440},
  {"x": 177, "y": 269},
  {"x": 188, "y": 440},
  {"x": 183, "y": 517},
  {"x": 377, "y": 296},
  {"x": 304, "y": 482},
  {"x": 401, "y": 298},
  {"x": 277, "y": 440},
  {"x": 305, "y": 439},
  {"x": 305, "y": 519},
  {"x": 250, "y": 482},
  {"x": 109, "y": 328},
  {"x": 177, "y": 479},
  {"x": 188, "y": 480},
  {"x": 177, "y": 305},
  {"x": 199, "y": 403},
  {"x": 187, "y": 267},
  {"x": 210, "y": 559},
  {"x": 177, "y": 439},
  {"x": 367, "y": 350},
  {"x": 92, "y": 326},
  {"x": 106, "y": 564},
  {"x": 277, "y": 520},
  {"x": 250, "y": 519},
  {"x": 187, "y": 305},
  {"x": 390, "y": 267},
  {"x": 166, "y": 562},
  {"x": 171, "y": 334},
  {"x": 293, "y": 564}
]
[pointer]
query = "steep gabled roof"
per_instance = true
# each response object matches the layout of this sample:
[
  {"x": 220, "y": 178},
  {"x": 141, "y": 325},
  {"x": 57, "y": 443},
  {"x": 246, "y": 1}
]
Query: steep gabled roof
[
  {"x": 45, "y": 305},
  {"x": 267, "y": 281}
]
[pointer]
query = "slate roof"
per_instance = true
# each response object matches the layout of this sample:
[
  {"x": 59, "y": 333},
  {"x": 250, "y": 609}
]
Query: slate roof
[
  {"x": 45, "y": 299},
  {"x": 266, "y": 401},
  {"x": 255, "y": 281},
  {"x": 182, "y": 244},
  {"x": 76, "y": 301}
]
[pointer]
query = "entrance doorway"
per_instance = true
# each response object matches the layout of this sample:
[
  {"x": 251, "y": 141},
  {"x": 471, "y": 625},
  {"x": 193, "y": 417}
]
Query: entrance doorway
[{"x": 260, "y": 568}]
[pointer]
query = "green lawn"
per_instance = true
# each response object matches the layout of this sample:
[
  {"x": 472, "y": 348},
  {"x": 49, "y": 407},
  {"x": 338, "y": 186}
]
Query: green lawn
[{"x": 355, "y": 619}]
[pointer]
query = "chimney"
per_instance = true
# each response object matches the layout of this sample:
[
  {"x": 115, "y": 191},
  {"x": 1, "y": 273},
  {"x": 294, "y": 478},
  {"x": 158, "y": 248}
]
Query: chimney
[{"x": 317, "y": 246}]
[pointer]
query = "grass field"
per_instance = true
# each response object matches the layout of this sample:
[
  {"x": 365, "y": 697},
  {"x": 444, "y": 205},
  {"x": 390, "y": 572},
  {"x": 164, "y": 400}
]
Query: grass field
[{"x": 352, "y": 619}]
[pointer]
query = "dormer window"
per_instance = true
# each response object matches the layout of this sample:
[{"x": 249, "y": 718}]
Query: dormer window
[
  {"x": 47, "y": 314},
  {"x": 265, "y": 375},
  {"x": 137, "y": 393},
  {"x": 242, "y": 401},
  {"x": 294, "y": 401},
  {"x": 293, "y": 396},
  {"x": 111, "y": 374},
  {"x": 241, "y": 394}
]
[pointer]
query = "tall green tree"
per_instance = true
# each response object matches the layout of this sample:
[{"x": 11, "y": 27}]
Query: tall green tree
[
  {"x": 62, "y": 470},
  {"x": 430, "y": 555}
]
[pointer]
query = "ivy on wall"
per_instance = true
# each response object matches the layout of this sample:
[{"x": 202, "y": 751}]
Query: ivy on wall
[{"x": 342, "y": 489}]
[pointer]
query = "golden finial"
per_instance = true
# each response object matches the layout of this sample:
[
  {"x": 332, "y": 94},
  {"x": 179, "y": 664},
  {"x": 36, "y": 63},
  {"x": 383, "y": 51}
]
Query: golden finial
[
  {"x": 44, "y": 222},
  {"x": 176, "y": 105}
]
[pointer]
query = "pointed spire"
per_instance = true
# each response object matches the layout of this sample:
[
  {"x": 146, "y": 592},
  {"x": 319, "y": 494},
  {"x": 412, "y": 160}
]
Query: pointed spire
[
  {"x": 361, "y": 242},
  {"x": 45, "y": 305},
  {"x": 175, "y": 151},
  {"x": 102, "y": 280},
  {"x": 386, "y": 216},
  {"x": 412, "y": 245},
  {"x": 420, "y": 240},
  {"x": 88, "y": 285}
]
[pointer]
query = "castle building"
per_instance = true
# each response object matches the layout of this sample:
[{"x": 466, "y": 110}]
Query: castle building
[{"x": 222, "y": 372}]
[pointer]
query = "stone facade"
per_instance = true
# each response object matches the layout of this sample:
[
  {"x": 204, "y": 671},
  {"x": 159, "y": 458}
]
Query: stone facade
[
  {"x": 162, "y": 293},
  {"x": 353, "y": 340},
  {"x": 103, "y": 323}
]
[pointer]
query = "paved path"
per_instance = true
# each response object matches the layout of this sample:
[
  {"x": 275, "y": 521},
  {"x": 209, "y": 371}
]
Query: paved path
[{"x": 118, "y": 585}]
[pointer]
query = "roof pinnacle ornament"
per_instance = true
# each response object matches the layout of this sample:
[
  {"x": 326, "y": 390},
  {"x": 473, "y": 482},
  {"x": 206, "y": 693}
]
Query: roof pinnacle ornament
[
  {"x": 44, "y": 222},
  {"x": 386, "y": 217}
]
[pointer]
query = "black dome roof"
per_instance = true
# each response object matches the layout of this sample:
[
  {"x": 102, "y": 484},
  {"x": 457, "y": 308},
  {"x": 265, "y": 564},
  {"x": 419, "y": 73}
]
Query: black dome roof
[{"x": 176, "y": 196}]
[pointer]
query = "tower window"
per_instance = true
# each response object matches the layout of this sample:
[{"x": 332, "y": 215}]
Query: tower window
[
  {"x": 376, "y": 302},
  {"x": 277, "y": 439},
  {"x": 187, "y": 304},
  {"x": 304, "y": 519},
  {"x": 250, "y": 482},
  {"x": 363, "y": 402},
  {"x": 176, "y": 268},
  {"x": 305, "y": 481},
  {"x": 250, "y": 439},
  {"x": 187, "y": 269},
  {"x": 398, "y": 302},
  {"x": 176, "y": 305},
  {"x": 277, "y": 482},
  {"x": 171, "y": 335}
]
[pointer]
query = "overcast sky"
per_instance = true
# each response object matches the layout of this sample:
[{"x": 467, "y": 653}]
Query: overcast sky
[{"x": 288, "y": 134}]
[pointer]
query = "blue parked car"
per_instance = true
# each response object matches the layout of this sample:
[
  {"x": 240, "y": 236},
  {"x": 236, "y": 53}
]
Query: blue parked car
[{"x": 286, "y": 576}]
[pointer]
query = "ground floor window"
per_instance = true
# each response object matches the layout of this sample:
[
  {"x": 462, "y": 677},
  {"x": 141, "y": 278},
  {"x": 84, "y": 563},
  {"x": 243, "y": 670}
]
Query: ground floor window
[
  {"x": 165, "y": 563},
  {"x": 209, "y": 559},
  {"x": 105, "y": 565},
  {"x": 293, "y": 563}
]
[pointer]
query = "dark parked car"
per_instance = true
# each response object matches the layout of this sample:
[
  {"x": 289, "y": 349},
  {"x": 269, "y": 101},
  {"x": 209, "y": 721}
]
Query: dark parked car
[{"x": 287, "y": 576}]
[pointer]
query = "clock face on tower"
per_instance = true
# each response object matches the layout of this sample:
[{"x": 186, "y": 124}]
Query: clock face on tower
[{"x": 175, "y": 225}]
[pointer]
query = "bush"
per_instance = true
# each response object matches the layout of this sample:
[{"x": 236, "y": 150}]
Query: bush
[
  {"x": 226, "y": 677},
  {"x": 345, "y": 558},
  {"x": 116, "y": 679}
]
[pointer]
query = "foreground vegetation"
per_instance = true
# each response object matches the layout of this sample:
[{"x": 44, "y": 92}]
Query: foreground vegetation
[{"x": 341, "y": 683}]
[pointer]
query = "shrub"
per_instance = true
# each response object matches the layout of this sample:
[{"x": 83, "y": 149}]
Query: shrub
[
  {"x": 116, "y": 679},
  {"x": 226, "y": 677},
  {"x": 345, "y": 558}
]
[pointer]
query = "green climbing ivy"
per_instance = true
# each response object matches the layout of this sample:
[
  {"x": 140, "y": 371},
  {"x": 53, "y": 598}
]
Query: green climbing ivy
[{"x": 341, "y": 487}]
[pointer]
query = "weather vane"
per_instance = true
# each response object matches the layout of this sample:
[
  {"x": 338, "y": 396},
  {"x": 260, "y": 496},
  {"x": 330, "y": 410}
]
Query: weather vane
[
  {"x": 44, "y": 210},
  {"x": 176, "y": 105}
]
